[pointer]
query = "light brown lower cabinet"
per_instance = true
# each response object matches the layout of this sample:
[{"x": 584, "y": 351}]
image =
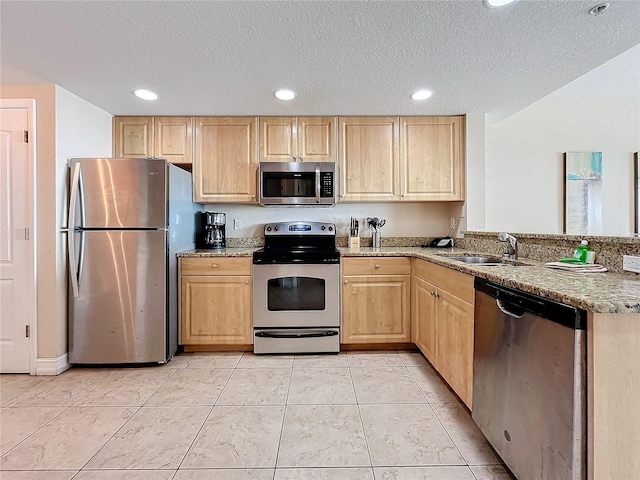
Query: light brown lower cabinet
[
  {"x": 375, "y": 300},
  {"x": 442, "y": 323},
  {"x": 215, "y": 301}
]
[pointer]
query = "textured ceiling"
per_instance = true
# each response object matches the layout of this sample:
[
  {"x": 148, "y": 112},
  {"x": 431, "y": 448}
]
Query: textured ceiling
[{"x": 342, "y": 57}]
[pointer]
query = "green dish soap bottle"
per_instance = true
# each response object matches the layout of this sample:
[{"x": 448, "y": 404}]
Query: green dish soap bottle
[{"x": 582, "y": 252}]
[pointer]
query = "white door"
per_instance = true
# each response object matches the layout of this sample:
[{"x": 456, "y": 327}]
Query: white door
[{"x": 15, "y": 251}]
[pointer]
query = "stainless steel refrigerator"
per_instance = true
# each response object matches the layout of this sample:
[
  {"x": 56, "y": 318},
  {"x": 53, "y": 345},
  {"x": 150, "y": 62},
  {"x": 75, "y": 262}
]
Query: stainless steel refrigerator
[{"x": 127, "y": 219}]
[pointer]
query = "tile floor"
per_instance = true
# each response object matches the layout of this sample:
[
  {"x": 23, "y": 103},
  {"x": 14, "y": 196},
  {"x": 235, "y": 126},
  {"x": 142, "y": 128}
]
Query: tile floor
[{"x": 234, "y": 416}]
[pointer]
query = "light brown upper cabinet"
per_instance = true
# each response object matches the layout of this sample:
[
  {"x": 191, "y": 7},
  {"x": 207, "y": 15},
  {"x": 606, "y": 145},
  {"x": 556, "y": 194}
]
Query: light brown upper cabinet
[
  {"x": 224, "y": 168},
  {"x": 431, "y": 158},
  {"x": 133, "y": 137},
  {"x": 401, "y": 158},
  {"x": 297, "y": 139},
  {"x": 368, "y": 157},
  {"x": 162, "y": 137},
  {"x": 174, "y": 138}
]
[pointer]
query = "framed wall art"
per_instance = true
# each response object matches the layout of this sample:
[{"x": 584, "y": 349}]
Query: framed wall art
[{"x": 583, "y": 193}]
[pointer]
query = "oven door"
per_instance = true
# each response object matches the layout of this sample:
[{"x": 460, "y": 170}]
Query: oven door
[{"x": 298, "y": 296}]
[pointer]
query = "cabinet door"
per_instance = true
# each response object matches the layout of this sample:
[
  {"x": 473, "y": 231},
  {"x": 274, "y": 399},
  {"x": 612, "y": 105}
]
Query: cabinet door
[
  {"x": 375, "y": 309},
  {"x": 133, "y": 137},
  {"x": 317, "y": 139},
  {"x": 278, "y": 139},
  {"x": 455, "y": 344},
  {"x": 368, "y": 156},
  {"x": 174, "y": 139},
  {"x": 423, "y": 325},
  {"x": 215, "y": 310},
  {"x": 432, "y": 158},
  {"x": 225, "y": 163}
]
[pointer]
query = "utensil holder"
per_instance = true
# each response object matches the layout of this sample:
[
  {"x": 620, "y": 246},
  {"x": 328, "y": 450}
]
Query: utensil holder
[
  {"x": 354, "y": 243},
  {"x": 375, "y": 239}
]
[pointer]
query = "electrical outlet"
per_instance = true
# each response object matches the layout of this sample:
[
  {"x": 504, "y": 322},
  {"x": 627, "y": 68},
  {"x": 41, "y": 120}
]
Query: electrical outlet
[
  {"x": 631, "y": 263},
  {"x": 237, "y": 224},
  {"x": 452, "y": 222}
]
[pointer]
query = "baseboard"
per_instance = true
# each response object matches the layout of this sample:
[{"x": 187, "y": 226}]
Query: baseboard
[{"x": 52, "y": 366}]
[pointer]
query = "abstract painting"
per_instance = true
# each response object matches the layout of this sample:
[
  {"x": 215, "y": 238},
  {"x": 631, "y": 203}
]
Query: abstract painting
[
  {"x": 637, "y": 190},
  {"x": 583, "y": 193}
]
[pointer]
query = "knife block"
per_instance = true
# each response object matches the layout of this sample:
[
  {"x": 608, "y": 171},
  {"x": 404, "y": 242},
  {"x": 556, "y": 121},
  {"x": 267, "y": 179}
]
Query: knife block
[{"x": 354, "y": 243}]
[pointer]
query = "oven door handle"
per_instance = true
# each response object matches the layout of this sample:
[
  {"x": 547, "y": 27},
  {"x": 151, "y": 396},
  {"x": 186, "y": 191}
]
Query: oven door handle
[
  {"x": 317, "y": 183},
  {"x": 328, "y": 333}
]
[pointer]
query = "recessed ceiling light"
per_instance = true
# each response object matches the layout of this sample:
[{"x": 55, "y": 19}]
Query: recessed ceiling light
[
  {"x": 498, "y": 3},
  {"x": 285, "y": 94},
  {"x": 145, "y": 94},
  {"x": 598, "y": 9},
  {"x": 421, "y": 95}
]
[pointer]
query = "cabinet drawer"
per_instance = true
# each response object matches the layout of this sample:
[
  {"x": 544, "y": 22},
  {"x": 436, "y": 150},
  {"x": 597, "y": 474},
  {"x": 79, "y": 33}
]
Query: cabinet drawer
[
  {"x": 376, "y": 266},
  {"x": 216, "y": 266},
  {"x": 457, "y": 283}
]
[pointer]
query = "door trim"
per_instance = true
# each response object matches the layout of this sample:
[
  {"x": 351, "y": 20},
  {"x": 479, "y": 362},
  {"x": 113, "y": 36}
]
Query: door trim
[{"x": 30, "y": 105}]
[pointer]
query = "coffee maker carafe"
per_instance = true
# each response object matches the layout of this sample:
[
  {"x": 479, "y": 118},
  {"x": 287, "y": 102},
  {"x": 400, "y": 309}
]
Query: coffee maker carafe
[{"x": 210, "y": 230}]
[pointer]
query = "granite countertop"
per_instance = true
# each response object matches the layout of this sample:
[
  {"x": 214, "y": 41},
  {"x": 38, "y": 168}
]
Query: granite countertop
[
  {"x": 222, "y": 252},
  {"x": 596, "y": 292}
]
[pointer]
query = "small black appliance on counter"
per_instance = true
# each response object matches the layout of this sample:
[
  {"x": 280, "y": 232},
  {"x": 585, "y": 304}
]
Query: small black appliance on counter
[{"x": 210, "y": 230}]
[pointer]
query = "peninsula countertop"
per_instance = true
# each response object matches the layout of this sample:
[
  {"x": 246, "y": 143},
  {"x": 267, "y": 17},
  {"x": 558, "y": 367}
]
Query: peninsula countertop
[{"x": 596, "y": 292}]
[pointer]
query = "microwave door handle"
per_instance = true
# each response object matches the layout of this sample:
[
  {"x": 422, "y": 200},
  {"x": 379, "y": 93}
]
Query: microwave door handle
[{"x": 317, "y": 183}]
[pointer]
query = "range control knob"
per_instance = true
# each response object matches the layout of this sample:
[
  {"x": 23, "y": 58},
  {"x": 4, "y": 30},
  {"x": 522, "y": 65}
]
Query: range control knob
[
  {"x": 268, "y": 229},
  {"x": 275, "y": 228},
  {"x": 323, "y": 227},
  {"x": 330, "y": 229}
]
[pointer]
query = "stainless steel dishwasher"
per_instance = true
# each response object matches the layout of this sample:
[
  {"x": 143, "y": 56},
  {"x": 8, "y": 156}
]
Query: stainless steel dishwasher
[{"x": 529, "y": 382}]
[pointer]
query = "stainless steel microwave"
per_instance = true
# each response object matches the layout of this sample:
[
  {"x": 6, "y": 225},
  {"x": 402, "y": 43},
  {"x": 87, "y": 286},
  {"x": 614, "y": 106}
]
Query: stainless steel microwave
[{"x": 298, "y": 183}]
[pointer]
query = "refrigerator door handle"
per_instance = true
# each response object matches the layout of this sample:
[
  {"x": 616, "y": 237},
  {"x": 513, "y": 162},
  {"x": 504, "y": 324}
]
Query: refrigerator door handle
[
  {"x": 81, "y": 197},
  {"x": 73, "y": 195},
  {"x": 80, "y": 258},
  {"x": 73, "y": 270}
]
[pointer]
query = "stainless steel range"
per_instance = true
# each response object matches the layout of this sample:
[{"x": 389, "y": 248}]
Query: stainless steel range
[{"x": 296, "y": 289}]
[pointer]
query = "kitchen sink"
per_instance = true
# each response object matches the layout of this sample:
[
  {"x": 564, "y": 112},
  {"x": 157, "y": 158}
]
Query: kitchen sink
[{"x": 480, "y": 260}]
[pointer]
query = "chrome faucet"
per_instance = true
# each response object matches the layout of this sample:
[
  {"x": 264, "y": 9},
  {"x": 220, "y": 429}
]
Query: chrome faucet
[{"x": 511, "y": 243}]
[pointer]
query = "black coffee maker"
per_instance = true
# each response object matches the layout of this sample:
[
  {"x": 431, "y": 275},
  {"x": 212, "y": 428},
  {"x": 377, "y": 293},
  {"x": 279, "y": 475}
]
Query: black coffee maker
[{"x": 210, "y": 230}]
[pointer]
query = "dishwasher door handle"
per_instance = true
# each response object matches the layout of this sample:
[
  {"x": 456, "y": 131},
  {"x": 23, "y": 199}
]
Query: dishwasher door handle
[{"x": 503, "y": 309}]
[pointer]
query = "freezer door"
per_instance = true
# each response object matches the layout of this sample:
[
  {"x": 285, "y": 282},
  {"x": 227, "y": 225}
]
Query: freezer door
[
  {"x": 119, "y": 314},
  {"x": 118, "y": 193}
]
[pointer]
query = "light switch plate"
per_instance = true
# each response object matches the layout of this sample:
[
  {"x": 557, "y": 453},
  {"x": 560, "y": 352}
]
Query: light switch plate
[
  {"x": 631, "y": 263},
  {"x": 237, "y": 224}
]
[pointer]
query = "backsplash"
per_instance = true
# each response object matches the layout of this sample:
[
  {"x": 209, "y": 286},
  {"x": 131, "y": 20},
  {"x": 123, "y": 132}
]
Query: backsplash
[
  {"x": 549, "y": 248},
  {"x": 542, "y": 247},
  {"x": 403, "y": 219}
]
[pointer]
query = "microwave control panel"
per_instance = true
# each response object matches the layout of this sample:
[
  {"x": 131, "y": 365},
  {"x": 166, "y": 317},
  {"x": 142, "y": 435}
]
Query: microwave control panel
[{"x": 326, "y": 184}]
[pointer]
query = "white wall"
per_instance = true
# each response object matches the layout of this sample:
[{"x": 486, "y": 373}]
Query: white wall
[
  {"x": 403, "y": 220},
  {"x": 598, "y": 112},
  {"x": 475, "y": 204},
  {"x": 82, "y": 130}
]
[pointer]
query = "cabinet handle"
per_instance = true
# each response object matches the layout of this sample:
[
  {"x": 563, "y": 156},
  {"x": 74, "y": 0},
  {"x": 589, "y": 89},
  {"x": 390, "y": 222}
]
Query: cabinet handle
[
  {"x": 346, "y": 281},
  {"x": 215, "y": 265},
  {"x": 342, "y": 195},
  {"x": 377, "y": 265},
  {"x": 436, "y": 294},
  {"x": 404, "y": 195},
  {"x": 300, "y": 159},
  {"x": 253, "y": 196},
  {"x": 246, "y": 282}
]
